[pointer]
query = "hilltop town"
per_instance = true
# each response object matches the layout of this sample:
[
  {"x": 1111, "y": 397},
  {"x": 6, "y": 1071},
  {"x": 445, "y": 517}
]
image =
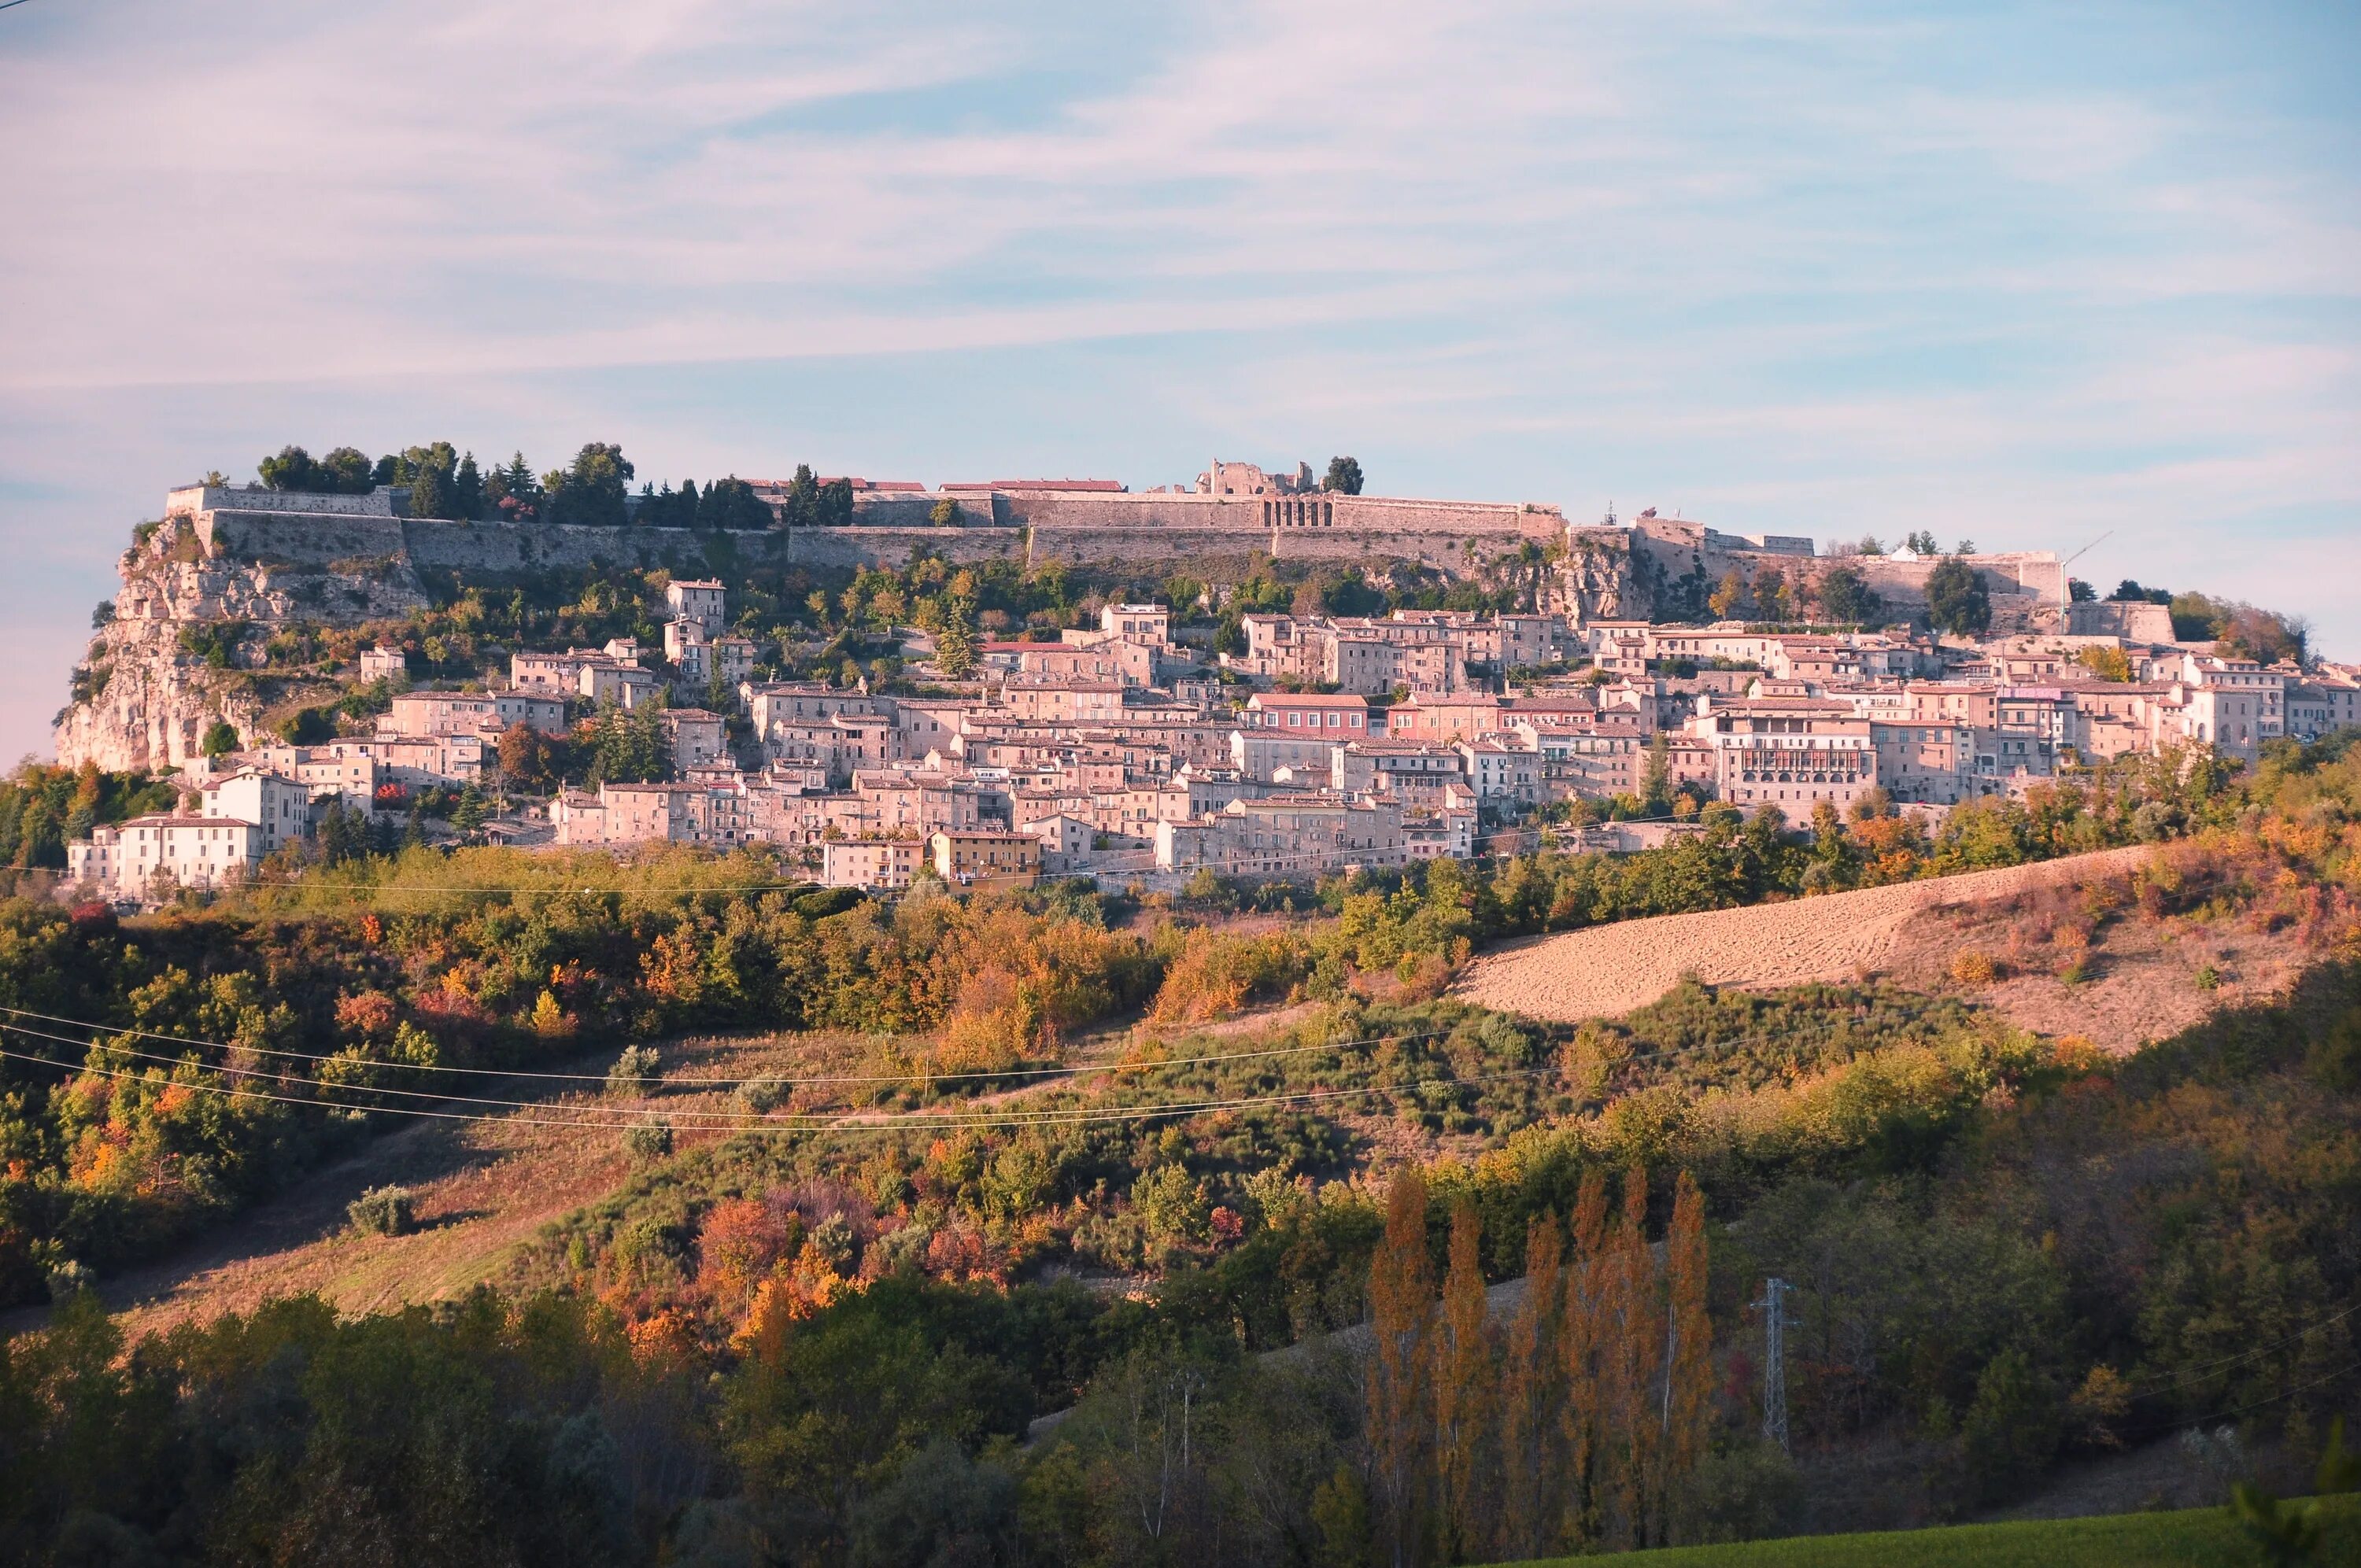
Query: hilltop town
[{"x": 1258, "y": 676}]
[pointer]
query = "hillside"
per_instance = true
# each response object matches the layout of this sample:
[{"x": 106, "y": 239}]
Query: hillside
[
  {"x": 1608, "y": 970},
  {"x": 1012, "y": 1154},
  {"x": 246, "y": 606}
]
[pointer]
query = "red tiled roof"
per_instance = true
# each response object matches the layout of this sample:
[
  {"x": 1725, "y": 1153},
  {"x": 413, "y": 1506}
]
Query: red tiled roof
[{"x": 1108, "y": 485}]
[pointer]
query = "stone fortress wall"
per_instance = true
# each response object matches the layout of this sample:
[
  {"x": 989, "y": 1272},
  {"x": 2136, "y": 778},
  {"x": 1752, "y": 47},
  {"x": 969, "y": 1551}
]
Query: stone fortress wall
[
  {"x": 2027, "y": 587},
  {"x": 1081, "y": 523},
  {"x": 1011, "y": 522}
]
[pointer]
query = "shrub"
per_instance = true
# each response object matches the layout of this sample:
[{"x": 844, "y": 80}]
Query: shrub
[
  {"x": 2208, "y": 978},
  {"x": 649, "y": 1140},
  {"x": 1973, "y": 967},
  {"x": 763, "y": 1095},
  {"x": 384, "y": 1211},
  {"x": 633, "y": 1074}
]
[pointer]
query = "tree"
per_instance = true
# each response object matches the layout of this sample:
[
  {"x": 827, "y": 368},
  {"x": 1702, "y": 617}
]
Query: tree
[
  {"x": 626, "y": 746},
  {"x": 292, "y": 469},
  {"x": 1344, "y": 475},
  {"x": 1464, "y": 1415},
  {"x": 591, "y": 491},
  {"x": 347, "y": 472},
  {"x": 221, "y": 738},
  {"x": 1580, "y": 1340},
  {"x": 1728, "y": 595},
  {"x": 2079, "y": 592},
  {"x": 1630, "y": 1348},
  {"x": 1400, "y": 1374},
  {"x": 1533, "y": 1379},
  {"x": 1870, "y": 545},
  {"x": 801, "y": 507},
  {"x": 945, "y": 513},
  {"x": 955, "y": 650},
  {"x": 2107, "y": 663},
  {"x": 1771, "y": 594},
  {"x": 528, "y": 757},
  {"x": 1922, "y": 542},
  {"x": 1689, "y": 1375},
  {"x": 468, "y": 488},
  {"x": 1845, "y": 596},
  {"x": 513, "y": 490},
  {"x": 431, "y": 495},
  {"x": 1957, "y": 600},
  {"x": 732, "y": 503},
  {"x": 834, "y": 504}
]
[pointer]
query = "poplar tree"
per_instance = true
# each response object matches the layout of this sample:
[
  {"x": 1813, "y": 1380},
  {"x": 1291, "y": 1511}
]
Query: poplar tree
[
  {"x": 1630, "y": 1346},
  {"x": 1688, "y": 1378},
  {"x": 1399, "y": 1381},
  {"x": 1581, "y": 1333},
  {"x": 1464, "y": 1392},
  {"x": 1533, "y": 1384}
]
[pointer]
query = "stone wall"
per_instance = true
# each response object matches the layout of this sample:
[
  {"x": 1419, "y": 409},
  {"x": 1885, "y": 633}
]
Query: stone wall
[
  {"x": 385, "y": 500},
  {"x": 1079, "y": 529},
  {"x": 2027, "y": 588}
]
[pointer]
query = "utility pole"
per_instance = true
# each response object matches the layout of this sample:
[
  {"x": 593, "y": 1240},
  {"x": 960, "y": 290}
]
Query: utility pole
[{"x": 1775, "y": 1360}]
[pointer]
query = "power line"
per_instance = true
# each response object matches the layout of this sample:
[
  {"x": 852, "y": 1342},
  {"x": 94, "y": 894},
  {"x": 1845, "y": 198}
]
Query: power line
[
  {"x": 2273, "y": 1399},
  {"x": 2195, "y": 1373},
  {"x": 660, "y": 1077},
  {"x": 852, "y": 1122},
  {"x": 808, "y": 1122}
]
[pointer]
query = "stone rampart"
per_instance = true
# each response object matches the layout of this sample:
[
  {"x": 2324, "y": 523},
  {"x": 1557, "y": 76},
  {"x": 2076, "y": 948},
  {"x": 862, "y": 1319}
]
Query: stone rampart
[
  {"x": 1081, "y": 530},
  {"x": 1167, "y": 511},
  {"x": 2026, "y": 587},
  {"x": 304, "y": 539},
  {"x": 313, "y": 539},
  {"x": 891, "y": 546},
  {"x": 385, "y": 500}
]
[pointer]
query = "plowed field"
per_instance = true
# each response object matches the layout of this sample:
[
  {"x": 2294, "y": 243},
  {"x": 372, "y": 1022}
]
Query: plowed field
[{"x": 1607, "y": 970}]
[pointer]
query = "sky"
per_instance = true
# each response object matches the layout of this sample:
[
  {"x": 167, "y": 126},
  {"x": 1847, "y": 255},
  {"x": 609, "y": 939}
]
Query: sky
[{"x": 2034, "y": 275}]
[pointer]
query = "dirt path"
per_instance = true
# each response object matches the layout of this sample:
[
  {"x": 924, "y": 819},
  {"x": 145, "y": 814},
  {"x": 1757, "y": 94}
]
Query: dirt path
[{"x": 1607, "y": 970}]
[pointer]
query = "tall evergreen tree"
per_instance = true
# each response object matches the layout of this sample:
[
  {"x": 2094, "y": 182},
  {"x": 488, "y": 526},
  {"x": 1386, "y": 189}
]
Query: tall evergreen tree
[{"x": 468, "y": 488}]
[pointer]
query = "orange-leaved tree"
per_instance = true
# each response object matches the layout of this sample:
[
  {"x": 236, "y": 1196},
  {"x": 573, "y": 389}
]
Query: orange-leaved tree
[
  {"x": 1533, "y": 1393},
  {"x": 1464, "y": 1394},
  {"x": 1400, "y": 1370}
]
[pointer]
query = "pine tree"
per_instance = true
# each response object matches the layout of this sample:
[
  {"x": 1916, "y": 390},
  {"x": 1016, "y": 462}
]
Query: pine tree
[
  {"x": 1532, "y": 1382},
  {"x": 955, "y": 650},
  {"x": 1399, "y": 1384},
  {"x": 1464, "y": 1390}
]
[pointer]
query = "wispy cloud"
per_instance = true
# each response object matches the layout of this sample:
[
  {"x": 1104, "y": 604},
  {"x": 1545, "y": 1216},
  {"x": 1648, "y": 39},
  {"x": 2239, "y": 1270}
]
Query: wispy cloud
[{"x": 1819, "y": 265}]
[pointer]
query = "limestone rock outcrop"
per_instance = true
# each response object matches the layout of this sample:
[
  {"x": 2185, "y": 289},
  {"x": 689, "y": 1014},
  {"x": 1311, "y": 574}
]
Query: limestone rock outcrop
[{"x": 143, "y": 697}]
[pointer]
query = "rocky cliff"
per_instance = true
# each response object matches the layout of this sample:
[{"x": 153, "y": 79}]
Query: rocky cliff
[
  {"x": 206, "y": 590},
  {"x": 146, "y": 690}
]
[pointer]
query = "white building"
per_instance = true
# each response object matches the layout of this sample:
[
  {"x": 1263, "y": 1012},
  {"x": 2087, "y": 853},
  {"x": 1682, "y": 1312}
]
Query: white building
[
  {"x": 383, "y": 663},
  {"x": 701, "y": 604},
  {"x": 140, "y": 859},
  {"x": 869, "y": 863},
  {"x": 279, "y": 807}
]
